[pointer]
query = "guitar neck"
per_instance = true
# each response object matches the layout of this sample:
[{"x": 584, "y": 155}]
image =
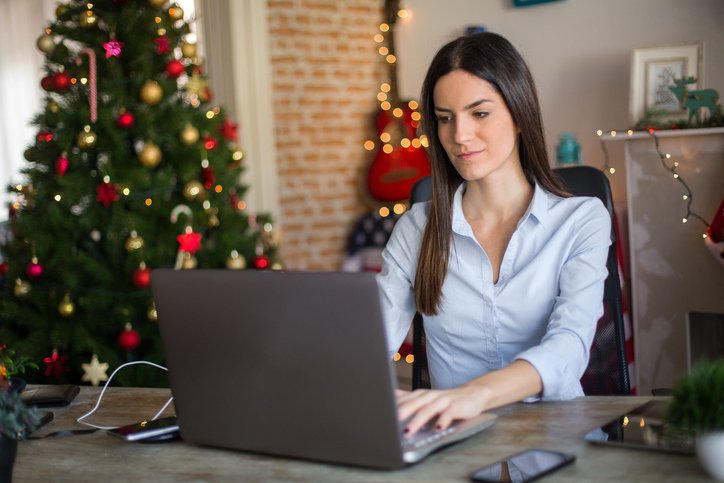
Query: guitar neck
[{"x": 391, "y": 9}]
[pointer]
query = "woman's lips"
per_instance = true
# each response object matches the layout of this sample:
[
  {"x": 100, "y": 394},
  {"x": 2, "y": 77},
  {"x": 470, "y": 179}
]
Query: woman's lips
[{"x": 468, "y": 155}]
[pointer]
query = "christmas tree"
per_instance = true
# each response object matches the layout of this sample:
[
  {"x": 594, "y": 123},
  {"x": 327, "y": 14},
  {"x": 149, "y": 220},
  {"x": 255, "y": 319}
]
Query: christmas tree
[{"x": 132, "y": 169}]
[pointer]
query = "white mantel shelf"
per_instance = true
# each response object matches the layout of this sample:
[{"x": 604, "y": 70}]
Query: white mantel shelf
[{"x": 624, "y": 135}]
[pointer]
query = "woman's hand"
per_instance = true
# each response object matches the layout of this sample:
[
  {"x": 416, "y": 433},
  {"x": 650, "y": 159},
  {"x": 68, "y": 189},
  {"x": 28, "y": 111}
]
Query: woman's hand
[
  {"x": 463, "y": 402},
  {"x": 512, "y": 383}
]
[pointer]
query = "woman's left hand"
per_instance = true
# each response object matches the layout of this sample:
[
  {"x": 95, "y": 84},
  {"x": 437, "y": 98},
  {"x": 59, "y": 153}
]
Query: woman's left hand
[{"x": 463, "y": 402}]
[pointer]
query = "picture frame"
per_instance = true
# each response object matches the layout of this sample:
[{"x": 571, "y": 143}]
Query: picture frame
[{"x": 652, "y": 72}]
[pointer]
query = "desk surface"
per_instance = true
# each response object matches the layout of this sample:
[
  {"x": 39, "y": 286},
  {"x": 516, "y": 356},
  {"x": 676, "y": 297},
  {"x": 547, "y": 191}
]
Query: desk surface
[{"x": 556, "y": 426}]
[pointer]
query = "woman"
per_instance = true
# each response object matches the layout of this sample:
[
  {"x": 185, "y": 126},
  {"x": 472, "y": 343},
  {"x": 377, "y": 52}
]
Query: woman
[{"x": 506, "y": 268}]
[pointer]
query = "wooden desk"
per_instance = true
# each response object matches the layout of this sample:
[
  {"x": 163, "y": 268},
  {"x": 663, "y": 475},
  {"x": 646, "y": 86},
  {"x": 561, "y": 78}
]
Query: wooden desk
[{"x": 556, "y": 426}]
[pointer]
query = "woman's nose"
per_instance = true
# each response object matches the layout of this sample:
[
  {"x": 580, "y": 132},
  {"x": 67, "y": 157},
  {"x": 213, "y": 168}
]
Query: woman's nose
[{"x": 463, "y": 130}]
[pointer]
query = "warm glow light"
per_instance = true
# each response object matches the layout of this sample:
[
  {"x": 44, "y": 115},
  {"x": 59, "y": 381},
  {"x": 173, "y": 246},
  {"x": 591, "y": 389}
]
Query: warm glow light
[
  {"x": 385, "y": 106},
  {"x": 410, "y": 359},
  {"x": 630, "y": 132},
  {"x": 611, "y": 170},
  {"x": 379, "y": 38},
  {"x": 402, "y": 14},
  {"x": 642, "y": 422},
  {"x": 369, "y": 145},
  {"x": 397, "y": 357},
  {"x": 57, "y": 197},
  {"x": 194, "y": 102},
  {"x": 384, "y": 51},
  {"x": 704, "y": 235},
  {"x": 171, "y": 11},
  {"x": 158, "y": 19},
  {"x": 241, "y": 205},
  {"x": 676, "y": 175},
  {"x": 676, "y": 163},
  {"x": 391, "y": 59},
  {"x": 382, "y": 96},
  {"x": 385, "y": 87},
  {"x": 686, "y": 197},
  {"x": 423, "y": 140},
  {"x": 210, "y": 114},
  {"x": 625, "y": 421},
  {"x": 47, "y": 31},
  {"x": 83, "y": 80},
  {"x": 416, "y": 143},
  {"x": 613, "y": 133},
  {"x": 126, "y": 191},
  {"x": 218, "y": 188},
  {"x": 73, "y": 80},
  {"x": 387, "y": 148},
  {"x": 384, "y": 211},
  {"x": 106, "y": 179},
  {"x": 599, "y": 132},
  {"x": 148, "y": 201},
  {"x": 399, "y": 208},
  {"x": 405, "y": 143},
  {"x": 412, "y": 104},
  {"x": 397, "y": 112},
  {"x": 237, "y": 155},
  {"x": 384, "y": 27},
  {"x": 684, "y": 220},
  {"x": 416, "y": 116},
  {"x": 668, "y": 156},
  {"x": 385, "y": 137}
]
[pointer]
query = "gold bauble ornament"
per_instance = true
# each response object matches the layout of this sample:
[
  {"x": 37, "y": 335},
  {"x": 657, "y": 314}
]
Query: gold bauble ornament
[
  {"x": 151, "y": 93},
  {"x": 213, "y": 221},
  {"x": 22, "y": 288},
  {"x": 151, "y": 155},
  {"x": 46, "y": 43},
  {"x": 66, "y": 308},
  {"x": 152, "y": 314},
  {"x": 235, "y": 261},
  {"x": 86, "y": 138},
  {"x": 61, "y": 10},
  {"x": 157, "y": 3},
  {"x": 190, "y": 262},
  {"x": 88, "y": 21},
  {"x": 176, "y": 12},
  {"x": 277, "y": 266},
  {"x": 194, "y": 190},
  {"x": 189, "y": 135},
  {"x": 134, "y": 242},
  {"x": 188, "y": 50},
  {"x": 53, "y": 106}
]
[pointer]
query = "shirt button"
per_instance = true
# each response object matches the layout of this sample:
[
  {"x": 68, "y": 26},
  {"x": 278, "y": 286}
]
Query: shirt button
[
  {"x": 488, "y": 304},
  {"x": 505, "y": 277},
  {"x": 492, "y": 340}
]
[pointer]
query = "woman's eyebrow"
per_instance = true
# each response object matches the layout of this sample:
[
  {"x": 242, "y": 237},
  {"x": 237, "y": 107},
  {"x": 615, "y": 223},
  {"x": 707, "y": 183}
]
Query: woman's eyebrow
[{"x": 469, "y": 106}]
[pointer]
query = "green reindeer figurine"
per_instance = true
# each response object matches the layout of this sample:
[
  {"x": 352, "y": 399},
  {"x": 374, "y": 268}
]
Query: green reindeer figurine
[{"x": 694, "y": 100}]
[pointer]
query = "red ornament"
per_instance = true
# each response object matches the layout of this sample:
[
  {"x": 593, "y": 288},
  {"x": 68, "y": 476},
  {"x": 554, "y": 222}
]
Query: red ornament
[
  {"x": 107, "y": 193},
  {"x": 142, "y": 277},
  {"x": 11, "y": 211},
  {"x": 206, "y": 95},
  {"x": 61, "y": 81},
  {"x": 129, "y": 339},
  {"x": 174, "y": 69},
  {"x": 260, "y": 261},
  {"x": 162, "y": 44},
  {"x": 209, "y": 141},
  {"x": 47, "y": 83},
  {"x": 44, "y": 136},
  {"x": 190, "y": 242},
  {"x": 34, "y": 269},
  {"x": 228, "y": 130},
  {"x": 57, "y": 365},
  {"x": 207, "y": 175},
  {"x": 61, "y": 165},
  {"x": 113, "y": 48},
  {"x": 125, "y": 120},
  {"x": 3, "y": 268}
]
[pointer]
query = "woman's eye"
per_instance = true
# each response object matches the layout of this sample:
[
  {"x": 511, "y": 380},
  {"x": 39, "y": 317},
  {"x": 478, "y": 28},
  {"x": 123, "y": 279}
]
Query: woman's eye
[
  {"x": 480, "y": 114},
  {"x": 443, "y": 119}
]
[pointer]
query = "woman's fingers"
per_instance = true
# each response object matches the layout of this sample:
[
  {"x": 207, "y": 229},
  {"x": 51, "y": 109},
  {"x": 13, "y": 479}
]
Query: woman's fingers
[{"x": 448, "y": 405}]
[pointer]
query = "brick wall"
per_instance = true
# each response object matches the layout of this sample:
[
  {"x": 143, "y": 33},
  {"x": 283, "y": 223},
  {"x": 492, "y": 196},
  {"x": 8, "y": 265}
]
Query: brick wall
[{"x": 326, "y": 75}]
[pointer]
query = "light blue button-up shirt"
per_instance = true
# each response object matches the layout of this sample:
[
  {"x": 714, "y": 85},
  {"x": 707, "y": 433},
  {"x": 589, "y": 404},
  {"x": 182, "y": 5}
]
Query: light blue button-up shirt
[{"x": 543, "y": 309}]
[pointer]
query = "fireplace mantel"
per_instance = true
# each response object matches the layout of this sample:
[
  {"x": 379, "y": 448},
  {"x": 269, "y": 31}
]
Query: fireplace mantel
[{"x": 672, "y": 272}]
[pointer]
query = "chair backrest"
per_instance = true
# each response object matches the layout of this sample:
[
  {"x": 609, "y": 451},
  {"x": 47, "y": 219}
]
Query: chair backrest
[{"x": 607, "y": 371}]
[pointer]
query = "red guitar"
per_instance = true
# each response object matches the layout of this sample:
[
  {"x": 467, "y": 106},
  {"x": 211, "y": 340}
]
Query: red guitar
[{"x": 402, "y": 159}]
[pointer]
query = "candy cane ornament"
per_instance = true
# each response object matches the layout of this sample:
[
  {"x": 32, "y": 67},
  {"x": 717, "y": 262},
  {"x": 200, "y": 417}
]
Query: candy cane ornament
[{"x": 93, "y": 84}]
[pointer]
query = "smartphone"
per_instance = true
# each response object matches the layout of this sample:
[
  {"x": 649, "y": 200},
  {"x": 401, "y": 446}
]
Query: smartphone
[
  {"x": 44, "y": 419},
  {"x": 157, "y": 430},
  {"x": 523, "y": 467}
]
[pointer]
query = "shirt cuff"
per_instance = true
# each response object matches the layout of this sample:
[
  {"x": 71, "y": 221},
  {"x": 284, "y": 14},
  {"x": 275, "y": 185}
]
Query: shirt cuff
[{"x": 556, "y": 386}]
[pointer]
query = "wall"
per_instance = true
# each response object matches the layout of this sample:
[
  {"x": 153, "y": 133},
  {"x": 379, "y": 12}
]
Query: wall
[{"x": 326, "y": 74}]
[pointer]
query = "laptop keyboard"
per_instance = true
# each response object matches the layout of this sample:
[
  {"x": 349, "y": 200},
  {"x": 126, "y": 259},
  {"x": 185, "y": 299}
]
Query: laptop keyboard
[{"x": 425, "y": 436}]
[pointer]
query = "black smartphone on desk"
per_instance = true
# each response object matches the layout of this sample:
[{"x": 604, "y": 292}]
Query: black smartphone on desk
[
  {"x": 523, "y": 467},
  {"x": 158, "y": 430}
]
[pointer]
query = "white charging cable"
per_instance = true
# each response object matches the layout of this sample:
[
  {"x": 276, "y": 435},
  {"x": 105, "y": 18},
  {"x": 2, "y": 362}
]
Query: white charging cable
[{"x": 106, "y": 387}]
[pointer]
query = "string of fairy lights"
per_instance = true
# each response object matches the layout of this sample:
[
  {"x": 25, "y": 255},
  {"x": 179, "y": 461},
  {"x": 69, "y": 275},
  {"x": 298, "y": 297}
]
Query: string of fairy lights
[{"x": 664, "y": 157}]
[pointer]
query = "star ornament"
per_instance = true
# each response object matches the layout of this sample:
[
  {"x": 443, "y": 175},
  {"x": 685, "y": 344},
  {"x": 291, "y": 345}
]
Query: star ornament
[
  {"x": 228, "y": 130},
  {"x": 190, "y": 242},
  {"x": 162, "y": 44},
  {"x": 107, "y": 193},
  {"x": 113, "y": 48},
  {"x": 196, "y": 85},
  {"x": 95, "y": 372}
]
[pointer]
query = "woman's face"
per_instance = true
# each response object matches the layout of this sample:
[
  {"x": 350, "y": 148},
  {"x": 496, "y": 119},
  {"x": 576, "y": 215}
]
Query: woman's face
[{"x": 474, "y": 125}]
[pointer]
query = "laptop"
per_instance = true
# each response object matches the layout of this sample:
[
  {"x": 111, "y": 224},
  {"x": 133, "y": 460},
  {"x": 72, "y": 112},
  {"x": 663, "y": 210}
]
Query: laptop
[{"x": 292, "y": 364}]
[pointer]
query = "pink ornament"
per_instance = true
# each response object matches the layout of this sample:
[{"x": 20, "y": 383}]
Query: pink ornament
[
  {"x": 126, "y": 120},
  {"x": 35, "y": 270},
  {"x": 113, "y": 48},
  {"x": 61, "y": 165}
]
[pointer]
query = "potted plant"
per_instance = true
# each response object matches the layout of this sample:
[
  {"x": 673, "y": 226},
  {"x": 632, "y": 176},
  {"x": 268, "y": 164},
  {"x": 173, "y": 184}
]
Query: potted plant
[
  {"x": 15, "y": 417},
  {"x": 698, "y": 406},
  {"x": 10, "y": 366}
]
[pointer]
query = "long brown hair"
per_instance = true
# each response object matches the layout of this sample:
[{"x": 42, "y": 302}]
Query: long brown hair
[{"x": 493, "y": 59}]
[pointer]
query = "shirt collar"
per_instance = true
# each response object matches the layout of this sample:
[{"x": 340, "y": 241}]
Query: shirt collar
[{"x": 538, "y": 208}]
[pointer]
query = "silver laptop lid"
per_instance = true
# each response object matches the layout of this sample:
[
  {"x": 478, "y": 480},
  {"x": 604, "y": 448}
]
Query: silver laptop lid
[{"x": 286, "y": 363}]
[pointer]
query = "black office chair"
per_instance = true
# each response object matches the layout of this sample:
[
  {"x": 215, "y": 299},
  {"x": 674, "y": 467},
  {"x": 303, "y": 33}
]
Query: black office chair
[{"x": 607, "y": 371}]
